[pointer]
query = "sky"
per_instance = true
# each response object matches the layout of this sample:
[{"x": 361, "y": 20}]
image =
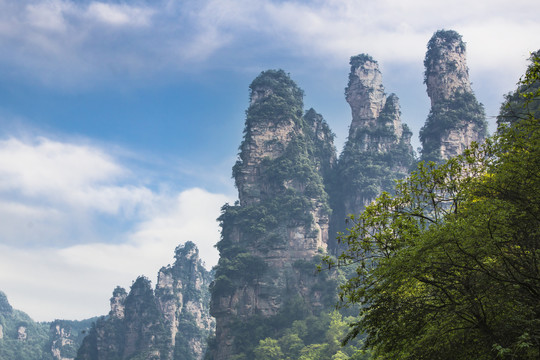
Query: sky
[{"x": 120, "y": 120}]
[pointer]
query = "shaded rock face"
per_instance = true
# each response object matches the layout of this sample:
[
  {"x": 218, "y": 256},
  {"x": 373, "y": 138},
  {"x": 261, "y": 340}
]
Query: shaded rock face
[
  {"x": 118, "y": 303},
  {"x": 144, "y": 329},
  {"x": 172, "y": 322},
  {"x": 137, "y": 331},
  {"x": 456, "y": 118},
  {"x": 282, "y": 216},
  {"x": 378, "y": 148}
]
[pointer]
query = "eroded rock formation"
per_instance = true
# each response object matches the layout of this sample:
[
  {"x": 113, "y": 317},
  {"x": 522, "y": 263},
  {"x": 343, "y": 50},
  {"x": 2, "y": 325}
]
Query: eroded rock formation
[
  {"x": 170, "y": 323},
  {"x": 281, "y": 221},
  {"x": 377, "y": 150},
  {"x": 456, "y": 118}
]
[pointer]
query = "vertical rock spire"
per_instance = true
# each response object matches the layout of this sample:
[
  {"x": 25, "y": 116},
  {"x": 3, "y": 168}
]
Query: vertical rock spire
[
  {"x": 280, "y": 222},
  {"x": 378, "y": 148},
  {"x": 365, "y": 92},
  {"x": 456, "y": 118}
]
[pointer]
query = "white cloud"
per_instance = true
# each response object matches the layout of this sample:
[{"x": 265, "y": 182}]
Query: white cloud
[
  {"x": 45, "y": 165},
  {"x": 59, "y": 258},
  {"x": 119, "y": 14},
  {"x": 75, "y": 282},
  {"x": 68, "y": 176},
  {"x": 47, "y": 15}
]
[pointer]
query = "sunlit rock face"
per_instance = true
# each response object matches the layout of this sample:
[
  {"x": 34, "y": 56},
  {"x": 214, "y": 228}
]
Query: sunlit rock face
[
  {"x": 282, "y": 216},
  {"x": 378, "y": 148},
  {"x": 456, "y": 119},
  {"x": 446, "y": 70},
  {"x": 183, "y": 299},
  {"x": 171, "y": 322},
  {"x": 62, "y": 340}
]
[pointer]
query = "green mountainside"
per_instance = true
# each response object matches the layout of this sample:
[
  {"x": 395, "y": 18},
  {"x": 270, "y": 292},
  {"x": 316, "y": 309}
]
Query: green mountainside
[{"x": 22, "y": 338}]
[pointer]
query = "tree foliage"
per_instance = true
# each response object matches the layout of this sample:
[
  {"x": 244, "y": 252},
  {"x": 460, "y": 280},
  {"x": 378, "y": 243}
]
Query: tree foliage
[
  {"x": 312, "y": 338},
  {"x": 449, "y": 266},
  {"x": 525, "y": 101}
]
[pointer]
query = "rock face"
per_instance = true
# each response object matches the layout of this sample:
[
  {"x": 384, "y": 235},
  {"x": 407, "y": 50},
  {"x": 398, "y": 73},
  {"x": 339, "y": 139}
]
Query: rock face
[
  {"x": 281, "y": 221},
  {"x": 456, "y": 119},
  {"x": 378, "y": 148},
  {"x": 66, "y": 337},
  {"x": 183, "y": 296},
  {"x": 172, "y": 322}
]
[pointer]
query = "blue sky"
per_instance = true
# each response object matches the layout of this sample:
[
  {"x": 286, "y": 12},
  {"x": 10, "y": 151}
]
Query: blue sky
[{"x": 120, "y": 120}]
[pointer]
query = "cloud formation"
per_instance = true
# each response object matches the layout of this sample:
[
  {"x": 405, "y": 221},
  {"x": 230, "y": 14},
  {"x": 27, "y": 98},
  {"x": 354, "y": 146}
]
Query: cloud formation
[
  {"x": 75, "y": 222},
  {"x": 93, "y": 41}
]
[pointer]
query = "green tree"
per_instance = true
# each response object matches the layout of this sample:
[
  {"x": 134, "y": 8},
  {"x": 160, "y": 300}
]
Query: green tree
[
  {"x": 268, "y": 349},
  {"x": 449, "y": 267}
]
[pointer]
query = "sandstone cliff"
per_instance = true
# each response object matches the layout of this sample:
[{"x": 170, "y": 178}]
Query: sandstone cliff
[
  {"x": 271, "y": 236},
  {"x": 172, "y": 322},
  {"x": 184, "y": 301},
  {"x": 456, "y": 119},
  {"x": 377, "y": 150}
]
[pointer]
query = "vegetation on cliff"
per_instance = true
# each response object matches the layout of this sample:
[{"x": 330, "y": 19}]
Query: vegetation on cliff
[
  {"x": 525, "y": 101},
  {"x": 441, "y": 42},
  {"x": 22, "y": 338},
  {"x": 140, "y": 332},
  {"x": 455, "y": 251},
  {"x": 368, "y": 172},
  {"x": 453, "y": 114},
  {"x": 282, "y": 181}
]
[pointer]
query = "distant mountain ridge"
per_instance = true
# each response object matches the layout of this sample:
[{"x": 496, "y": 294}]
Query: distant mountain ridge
[{"x": 22, "y": 338}]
